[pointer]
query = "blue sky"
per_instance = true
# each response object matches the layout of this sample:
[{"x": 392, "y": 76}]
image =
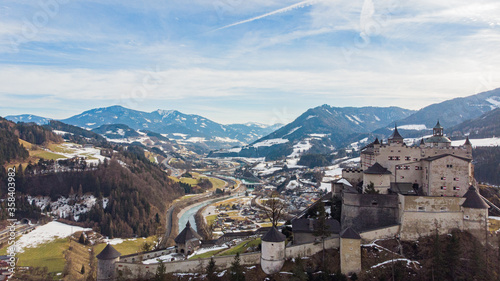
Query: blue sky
[{"x": 235, "y": 61}]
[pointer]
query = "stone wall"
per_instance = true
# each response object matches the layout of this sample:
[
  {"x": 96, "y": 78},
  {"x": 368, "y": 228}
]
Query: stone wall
[
  {"x": 380, "y": 233},
  {"x": 145, "y": 270},
  {"x": 310, "y": 249},
  {"x": 146, "y": 255},
  {"x": 369, "y": 211},
  {"x": 423, "y": 215}
]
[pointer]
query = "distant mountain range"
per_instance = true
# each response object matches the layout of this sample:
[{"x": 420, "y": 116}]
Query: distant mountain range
[
  {"x": 449, "y": 113},
  {"x": 484, "y": 126},
  {"x": 184, "y": 128},
  {"x": 321, "y": 129}
]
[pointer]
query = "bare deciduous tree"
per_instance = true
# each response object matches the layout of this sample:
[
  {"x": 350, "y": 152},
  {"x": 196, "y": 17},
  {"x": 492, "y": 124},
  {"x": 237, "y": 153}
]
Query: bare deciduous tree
[{"x": 274, "y": 208}]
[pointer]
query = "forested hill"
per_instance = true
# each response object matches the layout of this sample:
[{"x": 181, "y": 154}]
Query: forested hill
[
  {"x": 10, "y": 133},
  {"x": 10, "y": 148},
  {"x": 137, "y": 191}
]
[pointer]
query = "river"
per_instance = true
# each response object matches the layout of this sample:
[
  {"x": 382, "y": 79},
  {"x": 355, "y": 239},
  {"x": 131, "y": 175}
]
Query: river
[{"x": 189, "y": 214}]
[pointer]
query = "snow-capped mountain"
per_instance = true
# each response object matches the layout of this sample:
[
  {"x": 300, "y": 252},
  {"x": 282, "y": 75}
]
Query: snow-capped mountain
[
  {"x": 449, "y": 113},
  {"x": 184, "y": 128},
  {"x": 28, "y": 118},
  {"x": 320, "y": 130}
]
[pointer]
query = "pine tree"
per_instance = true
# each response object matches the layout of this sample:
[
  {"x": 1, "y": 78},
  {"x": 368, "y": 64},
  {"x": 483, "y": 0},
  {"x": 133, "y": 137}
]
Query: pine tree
[
  {"x": 211, "y": 269},
  {"x": 161, "y": 272},
  {"x": 322, "y": 229},
  {"x": 236, "y": 270}
]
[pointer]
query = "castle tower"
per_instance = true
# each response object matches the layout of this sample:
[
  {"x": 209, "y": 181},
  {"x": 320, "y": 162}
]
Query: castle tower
[
  {"x": 396, "y": 138},
  {"x": 437, "y": 130},
  {"x": 106, "y": 263},
  {"x": 188, "y": 240},
  {"x": 272, "y": 256},
  {"x": 438, "y": 139},
  {"x": 468, "y": 147},
  {"x": 350, "y": 251},
  {"x": 475, "y": 213}
]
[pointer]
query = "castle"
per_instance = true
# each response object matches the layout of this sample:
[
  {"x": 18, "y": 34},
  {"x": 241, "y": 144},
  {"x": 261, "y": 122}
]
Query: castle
[{"x": 399, "y": 191}]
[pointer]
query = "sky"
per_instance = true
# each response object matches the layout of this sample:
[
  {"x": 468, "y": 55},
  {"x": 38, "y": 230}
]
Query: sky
[{"x": 235, "y": 61}]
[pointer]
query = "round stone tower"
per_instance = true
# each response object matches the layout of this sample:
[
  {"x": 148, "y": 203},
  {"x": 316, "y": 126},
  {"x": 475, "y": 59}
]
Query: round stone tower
[
  {"x": 106, "y": 263},
  {"x": 272, "y": 256}
]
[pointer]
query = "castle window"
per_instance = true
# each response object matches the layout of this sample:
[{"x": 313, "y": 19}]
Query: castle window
[
  {"x": 443, "y": 178},
  {"x": 455, "y": 179},
  {"x": 421, "y": 209},
  {"x": 456, "y": 188},
  {"x": 414, "y": 159},
  {"x": 407, "y": 158},
  {"x": 390, "y": 157},
  {"x": 443, "y": 187},
  {"x": 466, "y": 217},
  {"x": 407, "y": 167},
  {"x": 449, "y": 166},
  {"x": 374, "y": 203},
  {"x": 397, "y": 157},
  {"x": 444, "y": 209},
  {"x": 398, "y": 167}
]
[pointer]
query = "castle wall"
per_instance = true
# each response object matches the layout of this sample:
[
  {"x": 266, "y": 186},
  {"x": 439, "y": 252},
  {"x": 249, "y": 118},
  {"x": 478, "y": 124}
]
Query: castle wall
[
  {"x": 380, "y": 233},
  {"x": 143, "y": 270},
  {"x": 146, "y": 255},
  {"x": 305, "y": 250},
  {"x": 369, "y": 211},
  {"x": 138, "y": 269},
  {"x": 353, "y": 176},
  {"x": 422, "y": 216}
]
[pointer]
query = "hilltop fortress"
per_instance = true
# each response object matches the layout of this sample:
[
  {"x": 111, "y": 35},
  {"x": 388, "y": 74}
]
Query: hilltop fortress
[
  {"x": 398, "y": 191},
  {"x": 413, "y": 191}
]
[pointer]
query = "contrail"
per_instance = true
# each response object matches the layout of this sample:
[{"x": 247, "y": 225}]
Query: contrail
[{"x": 279, "y": 11}]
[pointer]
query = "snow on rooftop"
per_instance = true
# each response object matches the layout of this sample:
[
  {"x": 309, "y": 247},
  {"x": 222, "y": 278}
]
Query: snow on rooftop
[{"x": 47, "y": 233}]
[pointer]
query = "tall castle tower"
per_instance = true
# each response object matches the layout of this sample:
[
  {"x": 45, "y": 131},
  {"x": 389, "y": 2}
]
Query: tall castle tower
[
  {"x": 106, "y": 263},
  {"x": 273, "y": 251}
]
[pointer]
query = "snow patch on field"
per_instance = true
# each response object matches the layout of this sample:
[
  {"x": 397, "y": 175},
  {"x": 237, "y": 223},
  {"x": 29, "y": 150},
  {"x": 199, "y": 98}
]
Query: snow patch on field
[
  {"x": 495, "y": 103},
  {"x": 235, "y": 149},
  {"x": 417, "y": 127},
  {"x": 270, "y": 142},
  {"x": 301, "y": 147},
  {"x": 47, "y": 233},
  {"x": 293, "y": 130},
  {"x": 479, "y": 142}
]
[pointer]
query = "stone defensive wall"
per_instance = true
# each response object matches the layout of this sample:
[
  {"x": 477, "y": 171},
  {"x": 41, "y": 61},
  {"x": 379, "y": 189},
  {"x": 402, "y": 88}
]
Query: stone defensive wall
[
  {"x": 131, "y": 266},
  {"x": 380, "y": 233},
  {"x": 364, "y": 212}
]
